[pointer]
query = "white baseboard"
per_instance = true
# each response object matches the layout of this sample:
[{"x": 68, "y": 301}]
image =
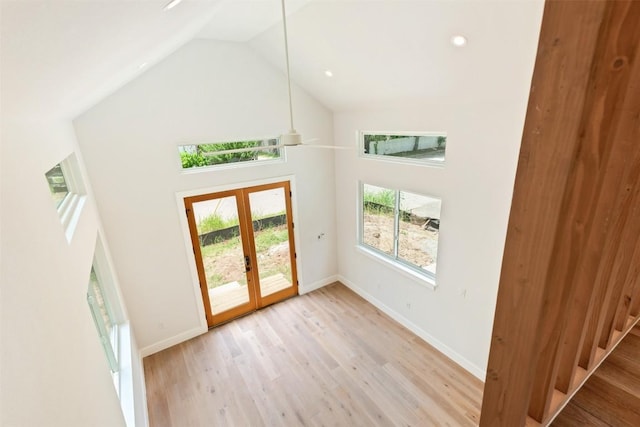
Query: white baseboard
[
  {"x": 441, "y": 347},
  {"x": 177, "y": 339},
  {"x": 317, "y": 285},
  {"x": 184, "y": 336}
]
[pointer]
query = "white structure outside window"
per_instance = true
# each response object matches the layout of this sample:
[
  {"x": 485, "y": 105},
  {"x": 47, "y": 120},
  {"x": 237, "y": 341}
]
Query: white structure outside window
[{"x": 426, "y": 148}]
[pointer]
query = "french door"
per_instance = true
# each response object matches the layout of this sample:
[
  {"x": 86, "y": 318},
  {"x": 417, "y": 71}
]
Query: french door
[{"x": 244, "y": 249}]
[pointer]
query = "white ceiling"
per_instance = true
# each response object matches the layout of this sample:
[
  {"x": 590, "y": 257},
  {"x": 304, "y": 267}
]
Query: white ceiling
[
  {"x": 62, "y": 56},
  {"x": 59, "y": 57},
  {"x": 242, "y": 20},
  {"x": 386, "y": 53}
]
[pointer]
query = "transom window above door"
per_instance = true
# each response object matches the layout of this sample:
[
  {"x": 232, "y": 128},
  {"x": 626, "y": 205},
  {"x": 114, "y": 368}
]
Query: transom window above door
[{"x": 230, "y": 153}]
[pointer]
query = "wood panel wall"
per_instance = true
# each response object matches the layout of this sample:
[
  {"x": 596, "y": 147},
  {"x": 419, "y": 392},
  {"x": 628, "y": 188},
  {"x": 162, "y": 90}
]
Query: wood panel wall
[{"x": 569, "y": 287}]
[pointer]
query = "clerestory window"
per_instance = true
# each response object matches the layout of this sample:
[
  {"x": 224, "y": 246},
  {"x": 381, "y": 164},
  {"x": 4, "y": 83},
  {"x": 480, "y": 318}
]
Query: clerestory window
[
  {"x": 67, "y": 192},
  {"x": 416, "y": 147},
  {"x": 229, "y": 153}
]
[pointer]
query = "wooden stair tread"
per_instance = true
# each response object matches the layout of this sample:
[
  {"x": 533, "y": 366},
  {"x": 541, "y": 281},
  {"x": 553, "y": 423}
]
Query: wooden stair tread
[
  {"x": 611, "y": 396},
  {"x": 609, "y": 403},
  {"x": 626, "y": 354},
  {"x": 574, "y": 415},
  {"x": 635, "y": 331},
  {"x": 620, "y": 377}
]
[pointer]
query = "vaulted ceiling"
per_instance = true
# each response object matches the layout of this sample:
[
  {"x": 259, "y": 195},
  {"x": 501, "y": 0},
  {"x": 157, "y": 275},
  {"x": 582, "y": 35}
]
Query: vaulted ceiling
[{"x": 62, "y": 56}]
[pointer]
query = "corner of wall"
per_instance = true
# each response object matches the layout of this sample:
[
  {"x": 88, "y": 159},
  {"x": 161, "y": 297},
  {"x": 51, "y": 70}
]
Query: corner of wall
[
  {"x": 171, "y": 341},
  {"x": 305, "y": 289},
  {"x": 470, "y": 367}
]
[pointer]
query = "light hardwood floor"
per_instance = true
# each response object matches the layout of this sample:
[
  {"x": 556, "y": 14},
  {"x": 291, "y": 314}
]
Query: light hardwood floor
[{"x": 325, "y": 358}]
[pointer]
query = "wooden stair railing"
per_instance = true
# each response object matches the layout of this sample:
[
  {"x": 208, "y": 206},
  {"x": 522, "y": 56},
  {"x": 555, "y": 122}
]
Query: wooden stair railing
[{"x": 569, "y": 287}]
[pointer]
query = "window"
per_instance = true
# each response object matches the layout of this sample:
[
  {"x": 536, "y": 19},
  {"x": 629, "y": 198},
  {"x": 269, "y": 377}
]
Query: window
[
  {"x": 225, "y": 153},
  {"x": 103, "y": 318},
  {"x": 402, "y": 227},
  {"x": 424, "y": 147},
  {"x": 57, "y": 185},
  {"x": 67, "y": 192},
  {"x": 113, "y": 329}
]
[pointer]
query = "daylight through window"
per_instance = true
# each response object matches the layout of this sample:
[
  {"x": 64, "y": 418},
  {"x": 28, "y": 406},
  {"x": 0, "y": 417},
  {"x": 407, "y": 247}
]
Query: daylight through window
[
  {"x": 57, "y": 184},
  {"x": 67, "y": 192},
  {"x": 415, "y": 147},
  {"x": 224, "y": 153},
  {"x": 103, "y": 319},
  {"x": 401, "y": 226}
]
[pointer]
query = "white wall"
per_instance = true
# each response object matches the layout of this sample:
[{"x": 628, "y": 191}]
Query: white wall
[
  {"x": 205, "y": 92},
  {"x": 475, "y": 186},
  {"x": 54, "y": 371}
]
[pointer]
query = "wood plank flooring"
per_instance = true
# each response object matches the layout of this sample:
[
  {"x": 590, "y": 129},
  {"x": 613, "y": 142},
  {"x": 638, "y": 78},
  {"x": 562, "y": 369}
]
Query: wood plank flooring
[
  {"x": 611, "y": 396},
  {"x": 324, "y": 358}
]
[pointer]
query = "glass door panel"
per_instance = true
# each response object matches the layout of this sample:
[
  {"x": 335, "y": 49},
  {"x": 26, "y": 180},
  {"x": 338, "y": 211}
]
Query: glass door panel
[
  {"x": 243, "y": 248},
  {"x": 222, "y": 253},
  {"x": 271, "y": 236}
]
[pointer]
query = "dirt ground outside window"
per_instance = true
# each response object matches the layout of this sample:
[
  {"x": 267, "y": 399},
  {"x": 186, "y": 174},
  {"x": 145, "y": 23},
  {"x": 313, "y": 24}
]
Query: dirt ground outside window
[
  {"x": 224, "y": 261},
  {"x": 416, "y": 244}
]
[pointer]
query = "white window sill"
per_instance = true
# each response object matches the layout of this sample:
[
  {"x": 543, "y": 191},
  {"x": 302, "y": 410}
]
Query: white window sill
[
  {"x": 69, "y": 212},
  {"x": 419, "y": 278},
  {"x": 230, "y": 166},
  {"x": 403, "y": 160}
]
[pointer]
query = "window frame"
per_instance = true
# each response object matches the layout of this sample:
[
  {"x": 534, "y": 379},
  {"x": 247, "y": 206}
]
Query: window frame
[
  {"x": 232, "y": 165},
  {"x": 123, "y": 352},
  {"x": 70, "y": 207},
  {"x": 397, "y": 159},
  {"x": 64, "y": 180},
  {"x": 411, "y": 270},
  {"x": 108, "y": 339}
]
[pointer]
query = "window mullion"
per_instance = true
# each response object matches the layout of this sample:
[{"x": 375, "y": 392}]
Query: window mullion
[{"x": 396, "y": 224}]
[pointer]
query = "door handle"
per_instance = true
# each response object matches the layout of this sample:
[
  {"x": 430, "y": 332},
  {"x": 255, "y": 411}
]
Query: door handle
[{"x": 247, "y": 263}]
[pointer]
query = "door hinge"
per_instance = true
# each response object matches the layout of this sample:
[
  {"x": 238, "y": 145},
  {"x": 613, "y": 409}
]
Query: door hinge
[
  {"x": 186, "y": 211},
  {"x": 290, "y": 194},
  {"x": 295, "y": 255}
]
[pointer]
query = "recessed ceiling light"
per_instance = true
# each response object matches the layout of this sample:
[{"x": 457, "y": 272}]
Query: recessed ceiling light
[
  {"x": 172, "y": 4},
  {"x": 458, "y": 40},
  {"x": 328, "y": 73}
]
